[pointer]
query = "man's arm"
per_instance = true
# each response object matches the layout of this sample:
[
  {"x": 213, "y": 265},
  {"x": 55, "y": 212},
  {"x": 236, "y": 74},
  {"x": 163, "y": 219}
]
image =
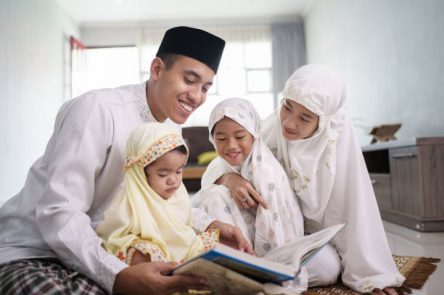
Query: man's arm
[
  {"x": 81, "y": 138},
  {"x": 148, "y": 278},
  {"x": 78, "y": 152}
]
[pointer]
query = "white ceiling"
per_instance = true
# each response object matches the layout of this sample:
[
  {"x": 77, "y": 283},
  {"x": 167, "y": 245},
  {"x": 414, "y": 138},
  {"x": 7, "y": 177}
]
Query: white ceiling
[{"x": 97, "y": 12}]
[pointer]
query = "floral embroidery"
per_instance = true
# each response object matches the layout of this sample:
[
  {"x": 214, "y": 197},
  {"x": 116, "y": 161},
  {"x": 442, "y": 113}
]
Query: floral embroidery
[
  {"x": 266, "y": 246},
  {"x": 294, "y": 175},
  {"x": 121, "y": 256},
  {"x": 210, "y": 238},
  {"x": 156, "y": 150},
  {"x": 275, "y": 216},
  {"x": 146, "y": 248}
]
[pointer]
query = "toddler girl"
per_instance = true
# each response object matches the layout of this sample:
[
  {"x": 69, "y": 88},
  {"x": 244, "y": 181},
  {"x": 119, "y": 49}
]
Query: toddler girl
[{"x": 151, "y": 219}]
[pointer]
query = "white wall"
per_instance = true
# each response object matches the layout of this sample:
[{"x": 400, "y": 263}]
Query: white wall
[
  {"x": 111, "y": 36},
  {"x": 391, "y": 53},
  {"x": 31, "y": 84}
]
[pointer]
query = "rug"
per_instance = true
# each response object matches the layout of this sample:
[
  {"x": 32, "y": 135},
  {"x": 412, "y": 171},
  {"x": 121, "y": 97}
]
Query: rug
[{"x": 416, "y": 270}]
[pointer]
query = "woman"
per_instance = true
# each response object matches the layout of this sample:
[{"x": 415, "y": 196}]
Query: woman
[{"x": 314, "y": 141}]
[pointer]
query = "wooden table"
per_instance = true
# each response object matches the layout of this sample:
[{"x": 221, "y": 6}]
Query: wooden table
[{"x": 193, "y": 172}]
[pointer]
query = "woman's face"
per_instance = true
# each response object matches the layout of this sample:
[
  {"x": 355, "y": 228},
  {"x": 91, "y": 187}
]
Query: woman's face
[
  {"x": 297, "y": 121},
  {"x": 233, "y": 142}
]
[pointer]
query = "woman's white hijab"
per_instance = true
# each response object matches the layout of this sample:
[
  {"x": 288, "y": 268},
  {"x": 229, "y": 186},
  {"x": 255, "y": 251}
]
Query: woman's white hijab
[
  {"x": 329, "y": 194},
  {"x": 311, "y": 163}
]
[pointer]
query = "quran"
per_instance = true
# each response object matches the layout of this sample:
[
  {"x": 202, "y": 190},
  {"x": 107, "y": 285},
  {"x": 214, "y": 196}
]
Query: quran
[{"x": 230, "y": 271}]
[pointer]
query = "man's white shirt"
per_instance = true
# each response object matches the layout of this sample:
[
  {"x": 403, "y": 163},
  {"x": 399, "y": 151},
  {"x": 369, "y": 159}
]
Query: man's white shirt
[{"x": 68, "y": 189}]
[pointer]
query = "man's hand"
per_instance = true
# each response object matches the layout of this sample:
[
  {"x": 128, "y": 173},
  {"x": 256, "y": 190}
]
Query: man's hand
[
  {"x": 148, "y": 278},
  {"x": 242, "y": 191},
  {"x": 231, "y": 236}
]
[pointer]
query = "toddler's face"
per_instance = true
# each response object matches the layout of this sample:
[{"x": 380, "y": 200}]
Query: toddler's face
[
  {"x": 165, "y": 174},
  {"x": 233, "y": 142},
  {"x": 297, "y": 121}
]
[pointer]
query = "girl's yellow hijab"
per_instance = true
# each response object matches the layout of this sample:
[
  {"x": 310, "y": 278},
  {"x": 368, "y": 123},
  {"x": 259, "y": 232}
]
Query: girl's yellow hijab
[{"x": 139, "y": 213}]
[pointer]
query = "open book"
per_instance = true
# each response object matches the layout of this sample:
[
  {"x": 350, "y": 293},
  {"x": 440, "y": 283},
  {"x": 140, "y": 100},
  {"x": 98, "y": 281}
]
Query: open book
[{"x": 230, "y": 271}]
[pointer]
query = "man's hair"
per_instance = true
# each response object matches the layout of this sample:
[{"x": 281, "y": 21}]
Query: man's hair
[{"x": 169, "y": 59}]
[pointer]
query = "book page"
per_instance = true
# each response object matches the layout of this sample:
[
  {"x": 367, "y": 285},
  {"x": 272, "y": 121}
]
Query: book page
[
  {"x": 257, "y": 268},
  {"x": 298, "y": 252}
]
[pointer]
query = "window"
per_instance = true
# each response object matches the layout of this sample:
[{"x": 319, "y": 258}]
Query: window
[
  {"x": 107, "y": 68},
  {"x": 245, "y": 70}
]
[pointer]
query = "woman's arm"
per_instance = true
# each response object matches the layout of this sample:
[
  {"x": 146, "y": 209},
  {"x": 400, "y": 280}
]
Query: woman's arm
[{"x": 242, "y": 191}]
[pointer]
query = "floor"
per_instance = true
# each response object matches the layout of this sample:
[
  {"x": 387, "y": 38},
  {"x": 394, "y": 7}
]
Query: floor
[{"x": 404, "y": 241}]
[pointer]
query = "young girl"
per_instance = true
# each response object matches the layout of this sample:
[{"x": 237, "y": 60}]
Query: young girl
[
  {"x": 151, "y": 219},
  {"x": 314, "y": 141},
  {"x": 235, "y": 132}
]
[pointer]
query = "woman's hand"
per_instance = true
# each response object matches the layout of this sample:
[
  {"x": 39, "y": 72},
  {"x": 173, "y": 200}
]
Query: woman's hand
[
  {"x": 149, "y": 278},
  {"x": 385, "y": 291},
  {"x": 231, "y": 236},
  {"x": 242, "y": 191}
]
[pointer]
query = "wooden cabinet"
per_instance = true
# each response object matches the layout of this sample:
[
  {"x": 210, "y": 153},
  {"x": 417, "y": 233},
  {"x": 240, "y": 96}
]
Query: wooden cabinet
[{"x": 408, "y": 179}]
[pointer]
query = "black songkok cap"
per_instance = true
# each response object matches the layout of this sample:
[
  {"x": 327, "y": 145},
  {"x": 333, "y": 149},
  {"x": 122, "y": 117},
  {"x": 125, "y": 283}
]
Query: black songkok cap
[{"x": 195, "y": 43}]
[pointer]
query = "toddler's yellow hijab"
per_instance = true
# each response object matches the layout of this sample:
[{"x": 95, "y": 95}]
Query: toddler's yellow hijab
[{"x": 139, "y": 213}]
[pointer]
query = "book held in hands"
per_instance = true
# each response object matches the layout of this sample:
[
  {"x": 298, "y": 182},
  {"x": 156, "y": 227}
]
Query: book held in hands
[{"x": 230, "y": 271}]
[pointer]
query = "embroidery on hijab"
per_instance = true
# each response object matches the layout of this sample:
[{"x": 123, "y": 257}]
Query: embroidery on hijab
[{"x": 154, "y": 151}]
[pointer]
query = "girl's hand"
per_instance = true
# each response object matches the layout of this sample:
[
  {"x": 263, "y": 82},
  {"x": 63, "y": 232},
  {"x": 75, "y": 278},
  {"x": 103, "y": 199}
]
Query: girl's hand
[
  {"x": 231, "y": 236},
  {"x": 385, "y": 291},
  {"x": 242, "y": 191}
]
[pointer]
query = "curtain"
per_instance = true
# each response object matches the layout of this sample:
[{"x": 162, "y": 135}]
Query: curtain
[
  {"x": 288, "y": 47},
  {"x": 150, "y": 38}
]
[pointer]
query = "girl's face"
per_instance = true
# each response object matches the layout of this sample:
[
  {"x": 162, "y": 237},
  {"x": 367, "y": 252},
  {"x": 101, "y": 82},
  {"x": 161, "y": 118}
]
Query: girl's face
[
  {"x": 297, "y": 121},
  {"x": 233, "y": 142},
  {"x": 165, "y": 174}
]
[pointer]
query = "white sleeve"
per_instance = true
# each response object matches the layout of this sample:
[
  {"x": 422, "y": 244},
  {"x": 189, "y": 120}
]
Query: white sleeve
[
  {"x": 214, "y": 171},
  {"x": 81, "y": 138},
  {"x": 201, "y": 220},
  {"x": 366, "y": 258}
]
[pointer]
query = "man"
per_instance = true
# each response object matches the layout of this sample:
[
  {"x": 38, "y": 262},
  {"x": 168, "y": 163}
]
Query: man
[{"x": 47, "y": 238}]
